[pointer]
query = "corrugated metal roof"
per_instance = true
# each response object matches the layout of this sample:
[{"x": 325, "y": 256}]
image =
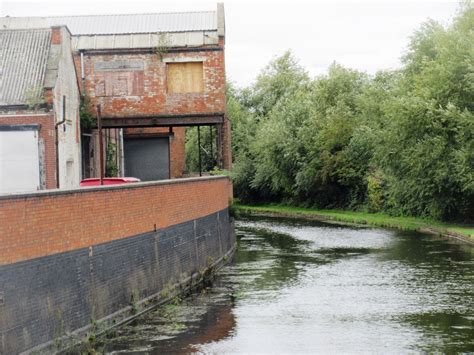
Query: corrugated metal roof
[
  {"x": 118, "y": 24},
  {"x": 23, "y": 59},
  {"x": 138, "y": 23}
]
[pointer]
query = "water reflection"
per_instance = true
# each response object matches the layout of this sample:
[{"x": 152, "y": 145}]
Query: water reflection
[
  {"x": 299, "y": 286},
  {"x": 443, "y": 331},
  {"x": 202, "y": 318}
]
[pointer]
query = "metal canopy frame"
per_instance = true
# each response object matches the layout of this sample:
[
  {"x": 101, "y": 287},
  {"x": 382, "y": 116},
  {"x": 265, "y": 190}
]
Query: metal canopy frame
[{"x": 188, "y": 120}]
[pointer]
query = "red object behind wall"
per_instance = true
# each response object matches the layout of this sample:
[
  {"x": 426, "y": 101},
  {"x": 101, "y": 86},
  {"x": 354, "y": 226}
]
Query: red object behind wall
[{"x": 108, "y": 181}]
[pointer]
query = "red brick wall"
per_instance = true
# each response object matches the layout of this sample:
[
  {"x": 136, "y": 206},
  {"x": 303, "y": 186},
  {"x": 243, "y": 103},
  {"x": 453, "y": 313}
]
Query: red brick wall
[
  {"x": 45, "y": 223},
  {"x": 47, "y": 134},
  {"x": 178, "y": 152},
  {"x": 55, "y": 35},
  {"x": 148, "y": 94}
]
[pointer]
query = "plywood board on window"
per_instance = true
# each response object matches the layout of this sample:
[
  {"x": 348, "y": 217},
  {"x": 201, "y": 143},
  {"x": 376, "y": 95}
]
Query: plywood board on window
[
  {"x": 185, "y": 77},
  {"x": 121, "y": 84}
]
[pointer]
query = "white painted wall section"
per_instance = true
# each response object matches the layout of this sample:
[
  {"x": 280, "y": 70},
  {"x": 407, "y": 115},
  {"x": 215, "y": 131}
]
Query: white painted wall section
[
  {"x": 19, "y": 161},
  {"x": 68, "y": 133}
]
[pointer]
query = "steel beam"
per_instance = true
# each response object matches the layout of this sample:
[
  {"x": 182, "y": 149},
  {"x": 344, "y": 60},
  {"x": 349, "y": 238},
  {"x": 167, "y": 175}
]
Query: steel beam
[{"x": 163, "y": 121}]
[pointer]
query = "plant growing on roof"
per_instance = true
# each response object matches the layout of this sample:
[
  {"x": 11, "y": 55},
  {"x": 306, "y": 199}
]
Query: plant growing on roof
[
  {"x": 34, "y": 97},
  {"x": 163, "y": 44}
]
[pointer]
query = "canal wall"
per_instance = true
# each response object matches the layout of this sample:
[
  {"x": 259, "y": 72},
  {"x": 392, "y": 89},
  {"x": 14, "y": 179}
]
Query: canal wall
[{"x": 77, "y": 261}]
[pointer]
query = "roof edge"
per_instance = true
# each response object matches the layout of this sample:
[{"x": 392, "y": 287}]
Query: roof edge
[{"x": 124, "y": 14}]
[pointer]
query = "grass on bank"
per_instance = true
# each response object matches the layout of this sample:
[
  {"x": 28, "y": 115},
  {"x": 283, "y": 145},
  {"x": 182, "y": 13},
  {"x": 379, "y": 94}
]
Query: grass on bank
[{"x": 374, "y": 219}]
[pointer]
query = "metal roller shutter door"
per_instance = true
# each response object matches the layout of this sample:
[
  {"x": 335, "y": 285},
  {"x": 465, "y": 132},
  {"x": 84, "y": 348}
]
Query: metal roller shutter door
[{"x": 147, "y": 158}]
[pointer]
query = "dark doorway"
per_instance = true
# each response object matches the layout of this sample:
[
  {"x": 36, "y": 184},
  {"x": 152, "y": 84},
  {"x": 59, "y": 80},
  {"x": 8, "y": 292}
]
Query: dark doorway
[
  {"x": 147, "y": 158},
  {"x": 87, "y": 154}
]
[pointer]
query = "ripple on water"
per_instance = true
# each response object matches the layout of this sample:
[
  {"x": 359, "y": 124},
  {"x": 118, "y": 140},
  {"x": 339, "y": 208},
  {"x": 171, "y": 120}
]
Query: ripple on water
[{"x": 298, "y": 286}]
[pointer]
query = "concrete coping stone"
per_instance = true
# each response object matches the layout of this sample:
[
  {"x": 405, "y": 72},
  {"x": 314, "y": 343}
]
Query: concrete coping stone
[{"x": 87, "y": 189}]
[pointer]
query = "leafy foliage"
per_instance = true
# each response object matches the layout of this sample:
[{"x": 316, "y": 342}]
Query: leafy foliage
[
  {"x": 111, "y": 166},
  {"x": 400, "y": 141},
  {"x": 86, "y": 114},
  {"x": 208, "y": 149}
]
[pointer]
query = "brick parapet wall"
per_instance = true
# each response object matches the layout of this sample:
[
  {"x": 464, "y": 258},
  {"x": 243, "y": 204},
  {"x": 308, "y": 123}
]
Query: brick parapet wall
[
  {"x": 47, "y": 148},
  {"x": 50, "y": 301},
  {"x": 54, "y": 221}
]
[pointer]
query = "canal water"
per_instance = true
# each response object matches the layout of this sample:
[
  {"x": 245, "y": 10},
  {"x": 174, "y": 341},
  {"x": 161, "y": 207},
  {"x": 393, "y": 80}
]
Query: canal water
[{"x": 309, "y": 287}]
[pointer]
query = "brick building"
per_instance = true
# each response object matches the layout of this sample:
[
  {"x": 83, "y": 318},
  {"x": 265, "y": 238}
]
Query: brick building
[
  {"x": 152, "y": 75},
  {"x": 39, "y": 110}
]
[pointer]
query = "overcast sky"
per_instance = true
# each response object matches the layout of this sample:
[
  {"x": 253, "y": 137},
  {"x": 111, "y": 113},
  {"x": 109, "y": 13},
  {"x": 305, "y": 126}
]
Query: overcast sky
[{"x": 364, "y": 35}]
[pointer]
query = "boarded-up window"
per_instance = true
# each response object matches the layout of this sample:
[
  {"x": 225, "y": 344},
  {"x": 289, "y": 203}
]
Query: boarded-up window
[
  {"x": 185, "y": 77},
  {"x": 120, "y": 84}
]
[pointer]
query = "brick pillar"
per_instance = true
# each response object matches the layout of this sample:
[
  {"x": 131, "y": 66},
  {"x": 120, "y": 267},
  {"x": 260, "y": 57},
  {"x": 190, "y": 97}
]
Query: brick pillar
[
  {"x": 177, "y": 152},
  {"x": 56, "y": 35},
  {"x": 224, "y": 157},
  {"x": 226, "y": 145},
  {"x": 220, "y": 162}
]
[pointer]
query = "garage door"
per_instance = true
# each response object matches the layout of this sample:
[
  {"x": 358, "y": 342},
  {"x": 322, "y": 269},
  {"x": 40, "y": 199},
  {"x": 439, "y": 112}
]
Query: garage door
[
  {"x": 19, "y": 159},
  {"x": 147, "y": 158}
]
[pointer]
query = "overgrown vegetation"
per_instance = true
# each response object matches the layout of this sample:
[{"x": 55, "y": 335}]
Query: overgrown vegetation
[
  {"x": 86, "y": 114},
  {"x": 399, "y": 142},
  {"x": 208, "y": 150},
  {"x": 34, "y": 97},
  {"x": 111, "y": 166},
  {"x": 163, "y": 45}
]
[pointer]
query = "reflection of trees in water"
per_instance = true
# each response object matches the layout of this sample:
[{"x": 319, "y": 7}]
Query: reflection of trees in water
[
  {"x": 416, "y": 248},
  {"x": 439, "y": 271},
  {"x": 271, "y": 258},
  {"x": 277, "y": 258},
  {"x": 444, "y": 259},
  {"x": 436, "y": 275},
  {"x": 447, "y": 332},
  {"x": 436, "y": 271}
]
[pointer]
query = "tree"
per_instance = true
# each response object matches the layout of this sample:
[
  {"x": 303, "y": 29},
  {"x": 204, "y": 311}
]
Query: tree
[
  {"x": 400, "y": 141},
  {"x": 279, "y": 78},
  {"x": 428, "y": 149}
]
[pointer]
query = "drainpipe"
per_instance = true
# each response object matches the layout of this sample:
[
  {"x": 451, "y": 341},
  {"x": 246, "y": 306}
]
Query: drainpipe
[
  {"x": 83, "y": 72},
  {"x": 101, "y": 145},
  {"x": 212, "y": 149},
  {"x": 122, "y": 158},
  {"x": 199, "y": 151},
  {"x": 82, "y": 65},
  {"x": 57, "y": 140}
]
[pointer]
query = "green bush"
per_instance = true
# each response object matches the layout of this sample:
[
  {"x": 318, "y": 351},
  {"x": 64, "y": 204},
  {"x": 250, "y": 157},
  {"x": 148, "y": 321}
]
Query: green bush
[
  {"x": 400, "y": 141},
  {"x": 375, "y": 193}
]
